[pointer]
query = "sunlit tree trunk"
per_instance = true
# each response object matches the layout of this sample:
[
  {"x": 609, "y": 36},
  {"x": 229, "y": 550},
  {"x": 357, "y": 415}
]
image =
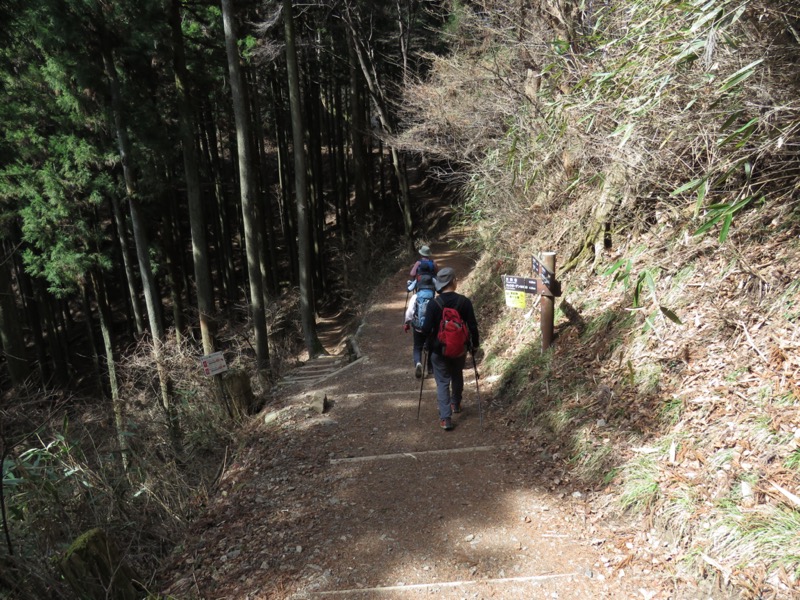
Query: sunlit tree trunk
[
  {"x": 247, "y": 187},
  {"x": 197, "y": 222}
]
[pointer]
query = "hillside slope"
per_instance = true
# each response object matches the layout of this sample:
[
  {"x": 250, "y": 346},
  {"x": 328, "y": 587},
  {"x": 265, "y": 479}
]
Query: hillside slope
[{"x": 654, "y": 147}]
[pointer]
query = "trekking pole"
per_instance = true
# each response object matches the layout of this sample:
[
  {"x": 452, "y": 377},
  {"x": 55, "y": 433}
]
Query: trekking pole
[
  {"x": 422, "y": 380},
  {"x": 477, "y": 391}
]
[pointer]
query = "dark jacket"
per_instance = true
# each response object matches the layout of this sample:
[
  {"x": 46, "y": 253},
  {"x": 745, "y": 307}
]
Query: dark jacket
[{"x": 433, "y": 317}]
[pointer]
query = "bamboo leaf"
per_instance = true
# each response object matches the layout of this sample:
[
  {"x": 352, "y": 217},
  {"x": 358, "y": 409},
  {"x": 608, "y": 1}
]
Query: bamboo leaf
[
  {"x": 706, "y": 17},
  {"x": 702, "y": 190},
  {"x": 627, "y": 136},
  {"x": 670, "y": 315},
  {"x": 730, "y": 120},
  {"x": 651, "y": 283},
  {"x": 708, "y": 225},
  {"x": 726, "y": 226},
  {"x": 690, "y": 52},
  {"x": 735, "y": 16},
  {"x": 740, "y": 75},
  {"x": 689, "y": 187},
  {"x": 620, "y": 270},
  {"x": 734, "y": 208},
  {"x": 636, "y": 292},
  {"x": 744, "y": 132}
]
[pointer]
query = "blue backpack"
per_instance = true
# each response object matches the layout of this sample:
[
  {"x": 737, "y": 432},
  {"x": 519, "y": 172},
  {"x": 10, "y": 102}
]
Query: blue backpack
[
  {"x": 425, "y": 267},
  {"x": 421, "y": 307}
]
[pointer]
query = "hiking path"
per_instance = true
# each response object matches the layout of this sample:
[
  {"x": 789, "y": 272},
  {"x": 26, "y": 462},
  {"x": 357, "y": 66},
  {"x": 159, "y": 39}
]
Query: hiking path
[{"x": 365, "y": 500}]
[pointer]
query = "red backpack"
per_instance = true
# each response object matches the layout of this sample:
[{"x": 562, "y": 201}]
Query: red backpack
[{"x": 453, "y": 332}]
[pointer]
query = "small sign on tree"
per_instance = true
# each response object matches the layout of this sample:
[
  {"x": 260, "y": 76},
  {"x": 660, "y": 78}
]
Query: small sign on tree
[{"x": 214, "y": 364}]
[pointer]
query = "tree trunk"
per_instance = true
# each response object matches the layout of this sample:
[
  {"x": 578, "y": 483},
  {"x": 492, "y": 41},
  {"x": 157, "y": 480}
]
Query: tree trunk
[
  {"x": 378, "y": 97},
  {"x": 612, "y": 195},
  {"x": 363, "y": 193},
  {"x": 87, "y": 316},
  {"x": 172, "y": 262},
  {"x": 54, "y": 336},
  {"x": 269, "y": 248},
  {"x": 313, "y": 126},
  {"x": 313, "y": 345},
  {"x": 247, "y": 187},
  {"x": 14, "y": 347},
  {"x": 224, "y": 246},
  {"x": 342, "y": 183},
  {"x": 104, "y": 315},
  {"x": 122, "y": 236},
  {"x": 32, "y": 312},
  {"x": 142, "y": 252},
  {"x": 287, "y": 214}
]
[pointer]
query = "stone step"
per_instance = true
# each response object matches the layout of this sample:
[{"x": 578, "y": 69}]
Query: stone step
[{"x": 316, "y": 368}]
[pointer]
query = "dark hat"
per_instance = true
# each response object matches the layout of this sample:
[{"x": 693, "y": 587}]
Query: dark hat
[
  {"x": 444, "y": 278},
  {"x": 425, "y": 282},
  {"x": 424, "y": 251}
]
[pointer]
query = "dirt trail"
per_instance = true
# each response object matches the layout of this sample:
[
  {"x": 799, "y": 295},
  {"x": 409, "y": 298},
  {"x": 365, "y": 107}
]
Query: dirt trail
[{"x": 366, "y": 501}]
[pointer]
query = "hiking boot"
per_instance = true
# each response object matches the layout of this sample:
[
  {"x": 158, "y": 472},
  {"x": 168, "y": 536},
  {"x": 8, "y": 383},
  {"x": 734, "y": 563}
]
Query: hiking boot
[
  {"x": 456, "y": 407},
  {"x": 446, "y": 424},
  {"x": 418, "y": 371}
]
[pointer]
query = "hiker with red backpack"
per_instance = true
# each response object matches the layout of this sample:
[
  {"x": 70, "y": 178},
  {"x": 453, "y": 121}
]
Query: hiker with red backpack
[
  {"x": 415, "y": 319},
  {"x": 450, "y": 329}
]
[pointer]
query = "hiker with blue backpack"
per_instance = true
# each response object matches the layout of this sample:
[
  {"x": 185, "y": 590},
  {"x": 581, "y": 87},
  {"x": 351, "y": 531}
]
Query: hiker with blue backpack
[
  {"x": 450, "y": 331},
  {"x": 425, "y": 265},
  {"x": 415, "y": 318}
]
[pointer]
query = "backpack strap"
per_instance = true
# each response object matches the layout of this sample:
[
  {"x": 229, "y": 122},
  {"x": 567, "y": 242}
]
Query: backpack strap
[{"x": 458, "y": 306}]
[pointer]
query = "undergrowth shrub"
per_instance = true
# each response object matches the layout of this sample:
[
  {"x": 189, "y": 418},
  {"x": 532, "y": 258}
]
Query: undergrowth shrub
[{"x": 62, "y": 470}]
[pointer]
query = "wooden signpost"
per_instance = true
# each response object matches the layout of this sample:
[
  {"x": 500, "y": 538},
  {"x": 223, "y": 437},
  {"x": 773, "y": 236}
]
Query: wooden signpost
[{"x": 543, "y": 283}]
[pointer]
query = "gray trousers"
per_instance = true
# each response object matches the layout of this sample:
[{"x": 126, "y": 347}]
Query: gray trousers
[{"x": 449, "y": 376}]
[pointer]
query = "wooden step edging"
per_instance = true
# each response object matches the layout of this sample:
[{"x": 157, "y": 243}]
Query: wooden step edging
[
  {"x": 414, "y": 455},
  {"x": 449, "y": 584}
]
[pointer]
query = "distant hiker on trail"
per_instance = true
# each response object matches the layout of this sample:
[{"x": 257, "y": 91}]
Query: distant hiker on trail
[
  {"x": 425, "y": 265},
  {"x": 415, "y": 318},
  {"x": 450, "y": 330}
]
